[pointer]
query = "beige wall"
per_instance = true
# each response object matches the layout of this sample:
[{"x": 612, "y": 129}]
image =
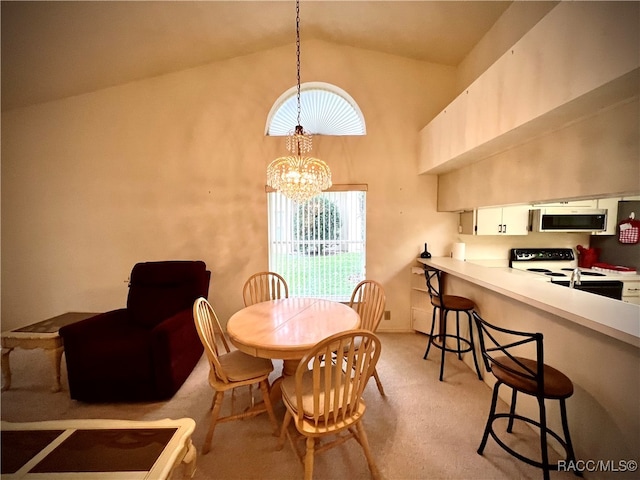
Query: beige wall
[
  {"x": 173, "y": 167},
  {"x": 517, "y": 20},
  {"x": 555, "y": 117},
  {"x": 595, "y": 157}
]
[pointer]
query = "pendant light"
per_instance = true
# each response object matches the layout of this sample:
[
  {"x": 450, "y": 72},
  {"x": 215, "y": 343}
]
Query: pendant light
[{"x": 298, "y": 176}]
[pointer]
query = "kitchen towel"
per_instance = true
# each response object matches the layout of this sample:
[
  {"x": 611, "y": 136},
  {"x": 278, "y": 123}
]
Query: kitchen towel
[
  {"x": 629, "y": 230},
  {"x": 458, "y": 251}
]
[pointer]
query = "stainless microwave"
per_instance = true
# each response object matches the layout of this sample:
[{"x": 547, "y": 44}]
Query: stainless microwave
[{"x": 568, "y": 219}]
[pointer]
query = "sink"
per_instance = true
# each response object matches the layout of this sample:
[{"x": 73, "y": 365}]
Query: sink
[{"x": 606, "y": 288}]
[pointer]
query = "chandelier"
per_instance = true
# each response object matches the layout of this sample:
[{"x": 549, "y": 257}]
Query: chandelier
[{"x": 298, "y": 176}]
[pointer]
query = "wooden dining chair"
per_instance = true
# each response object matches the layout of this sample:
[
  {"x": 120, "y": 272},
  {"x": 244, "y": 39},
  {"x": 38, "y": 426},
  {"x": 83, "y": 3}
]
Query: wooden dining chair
[
  {"x": 325, "y": 400},
  {"x": 264, "y": 286},
  {"x": 230, "y": 370},
  {"x": 369, "y": 300}
]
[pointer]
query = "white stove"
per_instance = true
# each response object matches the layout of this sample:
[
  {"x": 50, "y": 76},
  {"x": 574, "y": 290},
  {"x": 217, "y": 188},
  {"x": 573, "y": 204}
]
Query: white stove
[
  {"x": 550, "y": 262},
  {"x": 558, "y": 264}
]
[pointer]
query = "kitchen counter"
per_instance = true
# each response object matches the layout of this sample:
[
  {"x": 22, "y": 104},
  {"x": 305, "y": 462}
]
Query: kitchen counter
[
  {"x": 592, "y": 339},
  {"x": 610, "y": 317}
]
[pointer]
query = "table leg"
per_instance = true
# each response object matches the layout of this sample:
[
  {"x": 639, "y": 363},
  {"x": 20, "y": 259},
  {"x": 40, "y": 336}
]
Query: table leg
[
  {"x": 190, "y": 460},
  {"x": 55, "y": 355},
  {"x": 6, "y": 369},
  {"x": 288, "y": 369},
  {"x": 275, "y": 391}
]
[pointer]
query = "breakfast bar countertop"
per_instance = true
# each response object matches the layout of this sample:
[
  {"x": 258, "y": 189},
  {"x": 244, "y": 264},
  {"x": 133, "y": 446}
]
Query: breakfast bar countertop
[{"x": 608, "y": 316}]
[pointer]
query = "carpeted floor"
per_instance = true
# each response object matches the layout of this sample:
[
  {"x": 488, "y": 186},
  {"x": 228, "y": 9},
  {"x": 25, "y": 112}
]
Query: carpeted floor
[{"x": 422, "y": 429}]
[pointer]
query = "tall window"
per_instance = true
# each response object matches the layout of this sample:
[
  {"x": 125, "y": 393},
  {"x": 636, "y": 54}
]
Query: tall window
[{"x": 319, "y": 246}]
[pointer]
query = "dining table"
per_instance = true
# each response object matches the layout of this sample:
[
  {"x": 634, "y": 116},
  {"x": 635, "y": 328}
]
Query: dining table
[{"x": 287, "y": 328}]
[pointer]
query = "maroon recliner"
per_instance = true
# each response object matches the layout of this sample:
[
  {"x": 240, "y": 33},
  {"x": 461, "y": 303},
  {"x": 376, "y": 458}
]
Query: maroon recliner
[{"x": 143, "y": 352}]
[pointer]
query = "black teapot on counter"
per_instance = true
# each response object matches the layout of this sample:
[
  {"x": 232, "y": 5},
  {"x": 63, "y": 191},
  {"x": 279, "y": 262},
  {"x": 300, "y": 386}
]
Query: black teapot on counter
[{"x": 425, "y": 254}]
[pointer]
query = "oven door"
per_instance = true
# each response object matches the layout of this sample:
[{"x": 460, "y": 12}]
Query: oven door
[{"x": 606, "y": 288}]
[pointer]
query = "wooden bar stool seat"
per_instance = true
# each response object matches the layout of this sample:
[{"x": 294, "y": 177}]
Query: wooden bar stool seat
[
  {"x": 556, "y": 384},
  {"x": 453, "y": 303}
]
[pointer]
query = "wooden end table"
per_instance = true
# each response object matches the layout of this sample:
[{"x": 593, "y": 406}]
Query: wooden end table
[
  {"x": 45, "y": 335},
  {"x": 97, "y": 449}
]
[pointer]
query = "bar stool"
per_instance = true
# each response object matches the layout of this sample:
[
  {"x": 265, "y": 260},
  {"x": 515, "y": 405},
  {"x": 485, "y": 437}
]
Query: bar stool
[
  {"x": 531, "y": 377},
  {"x": 445, "y": 304}
]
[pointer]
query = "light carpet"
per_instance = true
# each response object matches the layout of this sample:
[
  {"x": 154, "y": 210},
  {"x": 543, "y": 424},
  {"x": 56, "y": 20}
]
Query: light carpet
[{"x": 422, "y": 429}]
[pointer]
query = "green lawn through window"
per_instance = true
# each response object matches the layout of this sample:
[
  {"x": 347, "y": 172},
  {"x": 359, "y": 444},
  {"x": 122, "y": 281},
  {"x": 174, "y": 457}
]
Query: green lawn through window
[{"x": 335, "y": 277}]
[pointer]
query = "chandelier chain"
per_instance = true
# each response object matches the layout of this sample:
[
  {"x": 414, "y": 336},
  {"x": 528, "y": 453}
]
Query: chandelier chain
[
  {"x": 298, "y": 55},
  {"x": 298, "y": 176}
]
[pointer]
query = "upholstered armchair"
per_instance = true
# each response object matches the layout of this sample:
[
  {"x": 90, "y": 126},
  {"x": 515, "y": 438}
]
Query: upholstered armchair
[{"x": 143, "y": 352}]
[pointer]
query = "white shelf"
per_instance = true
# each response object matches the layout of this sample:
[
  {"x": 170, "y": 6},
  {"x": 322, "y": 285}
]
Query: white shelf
[{"x": 421, "y": 309}]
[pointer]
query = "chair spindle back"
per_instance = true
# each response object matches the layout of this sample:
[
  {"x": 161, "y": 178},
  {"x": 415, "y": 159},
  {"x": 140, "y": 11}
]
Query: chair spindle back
[
  {"x": 211, "y": 335},
  {"x": 369, "y": 300},
  {"x": 337, "y": 385},
  {"x": 264, "y": 286}
]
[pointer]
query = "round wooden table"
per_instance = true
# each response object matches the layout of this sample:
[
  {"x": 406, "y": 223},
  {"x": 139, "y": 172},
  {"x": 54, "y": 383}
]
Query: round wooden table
[{"x": 287, "y": 328}]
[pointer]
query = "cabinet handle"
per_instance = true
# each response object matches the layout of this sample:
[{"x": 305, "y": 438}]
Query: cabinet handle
[
  {"x": 504, "y": 228},
  {"x": 500, "y": 228}
]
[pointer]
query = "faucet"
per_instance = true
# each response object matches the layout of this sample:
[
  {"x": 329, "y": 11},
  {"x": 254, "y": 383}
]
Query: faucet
[{"x": 575, "y": 278}]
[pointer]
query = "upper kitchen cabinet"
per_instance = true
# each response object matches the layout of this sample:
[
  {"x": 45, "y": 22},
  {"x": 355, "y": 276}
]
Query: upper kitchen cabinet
[
  {"x": 496, "y": 221},
  {"x": 611, "y": 205},
  {"x": 539, "y": 122}
]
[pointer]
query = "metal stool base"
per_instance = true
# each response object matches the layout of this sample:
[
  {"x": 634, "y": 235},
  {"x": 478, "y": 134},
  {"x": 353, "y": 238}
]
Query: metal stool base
[{"x": 463, "y": 344}]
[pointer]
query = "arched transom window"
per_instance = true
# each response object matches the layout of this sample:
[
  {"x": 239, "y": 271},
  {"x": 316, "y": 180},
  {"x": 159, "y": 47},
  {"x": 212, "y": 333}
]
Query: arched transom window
[{"x": 325, "y": 110}]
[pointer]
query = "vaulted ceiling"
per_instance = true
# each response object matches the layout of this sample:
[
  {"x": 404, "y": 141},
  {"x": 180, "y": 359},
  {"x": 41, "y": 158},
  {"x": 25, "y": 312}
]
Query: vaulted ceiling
[{"x": 52, "y": 50}]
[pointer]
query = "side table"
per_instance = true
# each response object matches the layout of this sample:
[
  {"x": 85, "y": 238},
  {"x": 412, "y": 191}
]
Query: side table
[
  {"x": 43, "y": 335},
  {"x": 97, "y": 449}
]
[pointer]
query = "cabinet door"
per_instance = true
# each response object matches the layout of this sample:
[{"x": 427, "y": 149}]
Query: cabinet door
[
  {"x": 489, "y": 221},
  {"x": 467, "y": 223},
  {"x": 631, "y": 292},
  {"x": 515, "y": 220},
  {"x": 611, "y": 204}
]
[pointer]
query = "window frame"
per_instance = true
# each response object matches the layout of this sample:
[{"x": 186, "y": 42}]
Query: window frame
[
  {"x": 327, "y": 283},
  {"x": 313, "y": 116}
]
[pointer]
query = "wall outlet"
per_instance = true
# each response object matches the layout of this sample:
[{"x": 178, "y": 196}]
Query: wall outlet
[{"x": 387, "y": 314}]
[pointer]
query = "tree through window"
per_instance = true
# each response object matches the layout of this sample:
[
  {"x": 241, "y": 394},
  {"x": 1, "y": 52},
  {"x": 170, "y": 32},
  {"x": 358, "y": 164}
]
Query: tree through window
[{"x": 319, "y": 246}]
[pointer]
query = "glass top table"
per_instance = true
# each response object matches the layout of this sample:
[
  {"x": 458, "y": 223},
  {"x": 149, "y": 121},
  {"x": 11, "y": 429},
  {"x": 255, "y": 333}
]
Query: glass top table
[
  {"x": 97, "y": 449},
  {"x": 43, "y": 334},
  {"x": 52, "y": 325}
]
